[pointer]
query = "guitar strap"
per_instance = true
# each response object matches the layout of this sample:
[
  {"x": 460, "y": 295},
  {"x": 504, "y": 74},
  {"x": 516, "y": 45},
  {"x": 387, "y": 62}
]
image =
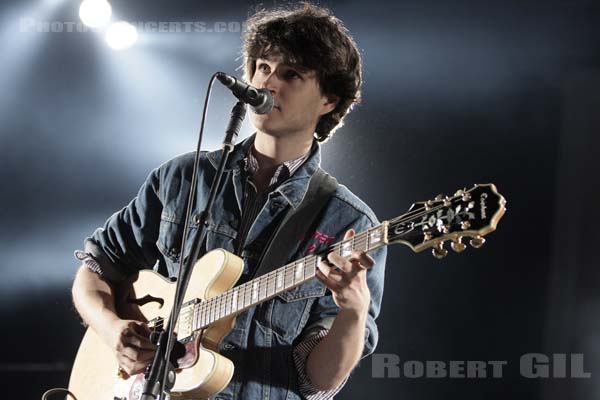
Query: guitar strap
[{"x": 297, "y": 222}]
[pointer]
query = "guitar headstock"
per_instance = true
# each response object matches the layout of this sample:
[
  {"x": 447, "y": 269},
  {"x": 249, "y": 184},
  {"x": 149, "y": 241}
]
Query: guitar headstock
[{"x": 469, "y": 213}]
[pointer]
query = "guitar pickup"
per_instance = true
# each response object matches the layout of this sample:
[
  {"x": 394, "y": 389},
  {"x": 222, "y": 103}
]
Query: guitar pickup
[{"x": 187, "y": 319}]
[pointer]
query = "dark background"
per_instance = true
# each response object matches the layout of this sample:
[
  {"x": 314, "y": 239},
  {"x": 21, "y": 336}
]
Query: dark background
[{"x": 455, "y": 93}]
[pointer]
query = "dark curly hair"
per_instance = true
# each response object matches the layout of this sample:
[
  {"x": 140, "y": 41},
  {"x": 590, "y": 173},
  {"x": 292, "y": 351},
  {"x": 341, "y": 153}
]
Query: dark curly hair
[{"x": 309, "y": 37}]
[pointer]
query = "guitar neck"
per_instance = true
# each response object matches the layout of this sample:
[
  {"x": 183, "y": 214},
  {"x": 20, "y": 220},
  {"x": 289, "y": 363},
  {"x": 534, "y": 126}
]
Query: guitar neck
[
  {"x": 469, "y": 213},
  {"x": 242, "y": 297}
]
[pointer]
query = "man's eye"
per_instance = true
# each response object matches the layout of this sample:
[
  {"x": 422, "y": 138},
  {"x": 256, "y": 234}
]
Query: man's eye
[
  {"x": 291, "y": 74},
  {"x": 263, "y": 67}
]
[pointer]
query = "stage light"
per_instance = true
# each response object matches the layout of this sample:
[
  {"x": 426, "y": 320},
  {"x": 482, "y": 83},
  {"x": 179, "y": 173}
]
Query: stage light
[
  {"x": 121, "y": 35},
  {"x": 95, "y": 13}
]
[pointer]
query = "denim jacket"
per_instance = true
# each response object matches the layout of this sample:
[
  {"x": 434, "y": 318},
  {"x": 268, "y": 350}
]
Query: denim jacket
[{"x": 147, "y": 234}]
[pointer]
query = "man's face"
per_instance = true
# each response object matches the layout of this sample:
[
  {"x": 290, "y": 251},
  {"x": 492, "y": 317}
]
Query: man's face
[{"x": 298, "y": 100}]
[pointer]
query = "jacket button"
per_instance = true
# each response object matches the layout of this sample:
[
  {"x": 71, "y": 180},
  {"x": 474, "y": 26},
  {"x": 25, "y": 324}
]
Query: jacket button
[
  {"x": 227, "y": 346},
  {"x": 197, "y": 219}
]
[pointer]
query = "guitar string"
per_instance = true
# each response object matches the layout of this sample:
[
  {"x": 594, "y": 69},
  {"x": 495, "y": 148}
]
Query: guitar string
[
  {"x": 213, "y": 304},
  {"x": 362, "y": 236},
  {"x": 214, "y": 307},
  {"x": 427, "y": 211}
]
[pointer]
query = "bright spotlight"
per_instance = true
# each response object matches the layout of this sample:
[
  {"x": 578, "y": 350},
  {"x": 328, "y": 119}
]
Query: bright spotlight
[
  {"x": 121, "y": 35},
  {"x": 95, "y": 13}
]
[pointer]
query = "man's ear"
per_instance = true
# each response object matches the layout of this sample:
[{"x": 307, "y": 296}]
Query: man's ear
[{"x": 330, "y": 104}]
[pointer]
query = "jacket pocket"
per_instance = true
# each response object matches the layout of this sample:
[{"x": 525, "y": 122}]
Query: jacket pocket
[
  {"x": 291, "y": 309},
  {"x": 169, "y": 236}
]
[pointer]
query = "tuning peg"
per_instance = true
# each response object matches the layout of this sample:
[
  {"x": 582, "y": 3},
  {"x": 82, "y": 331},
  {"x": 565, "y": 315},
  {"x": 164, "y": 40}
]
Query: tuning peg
[
  {"x": 428, "y": 205},
  {"x": 439, "y": 197},
  {"x": 466, "y": 196},
  {"x": 464, "y": 225},
  {"x": 477, "y": 242},
  {"x": 439, "y": 251},
  {"x": 457, "y": 245}
]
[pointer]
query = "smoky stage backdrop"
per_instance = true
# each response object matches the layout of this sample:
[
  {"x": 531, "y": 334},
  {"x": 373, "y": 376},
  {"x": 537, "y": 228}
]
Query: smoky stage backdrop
[{"x": 455, "y": 93}]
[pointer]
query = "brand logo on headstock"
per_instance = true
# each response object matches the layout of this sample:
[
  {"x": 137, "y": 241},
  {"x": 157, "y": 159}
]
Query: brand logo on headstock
[{"x": 483, "y": 205}]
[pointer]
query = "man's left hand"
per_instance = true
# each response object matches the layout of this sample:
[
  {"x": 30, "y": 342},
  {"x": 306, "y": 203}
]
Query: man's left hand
[{"x": 347, "y": 279}]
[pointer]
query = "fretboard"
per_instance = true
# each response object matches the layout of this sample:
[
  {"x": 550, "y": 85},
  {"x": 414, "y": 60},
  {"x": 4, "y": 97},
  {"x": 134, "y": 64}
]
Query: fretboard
[{"x": 235, "y": 300}]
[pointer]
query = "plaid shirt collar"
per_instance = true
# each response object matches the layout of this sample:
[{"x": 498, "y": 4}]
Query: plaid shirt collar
[{"x": 283, "y": 171}]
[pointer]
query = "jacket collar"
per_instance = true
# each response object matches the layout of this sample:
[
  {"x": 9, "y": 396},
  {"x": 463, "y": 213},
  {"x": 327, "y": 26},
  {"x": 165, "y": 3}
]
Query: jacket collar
[{"x": 293, "y": 189}]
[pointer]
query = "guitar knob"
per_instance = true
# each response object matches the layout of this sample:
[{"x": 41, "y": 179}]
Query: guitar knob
[
  {"x": 439, "y": 251},
  {"x": 457, "y": 245},
  {"x": 460, "y": 192},
  {"x": 428, "y": 205},
  {"x": 477, "y": 242}
]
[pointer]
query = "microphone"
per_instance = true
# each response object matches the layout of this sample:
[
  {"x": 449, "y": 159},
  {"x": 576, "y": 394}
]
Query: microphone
[{"x": 260, "y": 100}]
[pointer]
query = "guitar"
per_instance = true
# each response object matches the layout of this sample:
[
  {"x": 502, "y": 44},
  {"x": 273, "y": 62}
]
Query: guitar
[{"x": 212, "y": 300}]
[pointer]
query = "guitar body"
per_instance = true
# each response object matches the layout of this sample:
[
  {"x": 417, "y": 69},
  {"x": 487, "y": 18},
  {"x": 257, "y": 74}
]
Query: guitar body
[{"x": 202, "y": 371}]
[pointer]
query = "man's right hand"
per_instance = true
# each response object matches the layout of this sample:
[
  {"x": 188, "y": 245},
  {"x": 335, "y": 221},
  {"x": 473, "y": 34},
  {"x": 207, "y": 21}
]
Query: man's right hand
[{"x": 130, "y": 341}]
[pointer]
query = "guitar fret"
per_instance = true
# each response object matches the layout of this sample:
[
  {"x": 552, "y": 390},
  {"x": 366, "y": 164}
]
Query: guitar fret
[
  {"x": 346, "y": 249},
  {"x": 299, "y": 272},
  {"x": 194, "y": 317},
  {"x": 222, "y": 305},
  {"x": 289, "y": 276},
  {"x": 241, "y": 295},
  {"x": 364, "y": 238},
  {"x": 247, "y": 295},
  {"x": 262, "y": 287},
  {"x": 279, "y": 283},
  {"x": 227, "y": 303},
  {"x": 207, "y": 312},
  {"x": 201, "y": 314},
  {"x": 254, "y": 291},
  {"x": 270, "y": 284},
  {"x": 215, "y": 308},
  {"x": 234, "y": 300}
]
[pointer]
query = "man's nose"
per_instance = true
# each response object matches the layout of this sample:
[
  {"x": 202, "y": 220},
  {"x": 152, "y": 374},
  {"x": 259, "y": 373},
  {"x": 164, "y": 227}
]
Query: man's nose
[{"x": 270, "y": 82}]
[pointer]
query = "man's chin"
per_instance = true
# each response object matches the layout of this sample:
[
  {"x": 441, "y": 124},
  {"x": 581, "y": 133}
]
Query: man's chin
[{"x": 261, "y": 123}]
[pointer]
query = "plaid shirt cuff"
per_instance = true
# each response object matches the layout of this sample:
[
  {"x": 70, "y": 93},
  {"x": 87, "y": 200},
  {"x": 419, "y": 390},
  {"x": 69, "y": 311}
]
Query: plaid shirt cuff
[{"x": 300, "y": 354}]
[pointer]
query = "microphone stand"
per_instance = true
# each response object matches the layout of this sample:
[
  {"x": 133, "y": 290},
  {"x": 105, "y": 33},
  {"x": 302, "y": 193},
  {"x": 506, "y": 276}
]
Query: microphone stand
[{"x": 160, "y": 379}]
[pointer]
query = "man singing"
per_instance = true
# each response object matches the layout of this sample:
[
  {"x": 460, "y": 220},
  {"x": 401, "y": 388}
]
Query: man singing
[{"x": 303, "y": 343}]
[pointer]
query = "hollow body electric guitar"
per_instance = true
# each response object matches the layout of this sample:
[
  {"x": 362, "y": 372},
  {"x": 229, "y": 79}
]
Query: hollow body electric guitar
[{"x": 212, "y": 300}]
